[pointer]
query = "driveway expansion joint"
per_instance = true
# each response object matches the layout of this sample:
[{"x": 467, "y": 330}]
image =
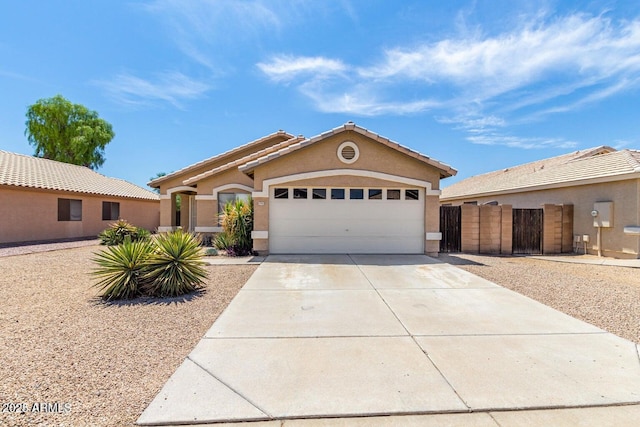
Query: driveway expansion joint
[{"x": 255, "y": 405}]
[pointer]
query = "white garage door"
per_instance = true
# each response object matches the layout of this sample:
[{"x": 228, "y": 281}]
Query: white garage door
[{"x": 346, "y": 220}]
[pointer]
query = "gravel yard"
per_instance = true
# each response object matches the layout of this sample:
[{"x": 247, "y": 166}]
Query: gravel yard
[
  {"x": 60, "y": 344},
  {"x": 605, "y": 296}
]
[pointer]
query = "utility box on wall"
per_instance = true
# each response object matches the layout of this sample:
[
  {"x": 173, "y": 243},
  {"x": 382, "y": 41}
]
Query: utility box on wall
[{"x": 602, "y": 214}]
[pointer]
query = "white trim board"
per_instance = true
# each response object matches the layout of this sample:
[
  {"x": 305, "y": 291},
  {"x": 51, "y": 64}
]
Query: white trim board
[{"x": 267, "y": 183}]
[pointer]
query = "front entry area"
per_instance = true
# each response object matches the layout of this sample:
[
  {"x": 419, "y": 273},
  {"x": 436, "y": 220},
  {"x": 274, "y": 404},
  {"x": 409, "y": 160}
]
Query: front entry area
[{"x": 346, "y": 220}]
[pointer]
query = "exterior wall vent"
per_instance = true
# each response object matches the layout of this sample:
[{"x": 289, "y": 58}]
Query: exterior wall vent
[{"x": 348, "y": 152}]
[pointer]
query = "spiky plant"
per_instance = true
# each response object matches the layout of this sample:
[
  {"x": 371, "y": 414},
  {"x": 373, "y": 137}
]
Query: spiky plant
[
  {"x": 121, "y": 269},
  {"x": 237, "y": 223},
  {"x": 175, "y": 267},
  {"x": 117, "y": 231}
]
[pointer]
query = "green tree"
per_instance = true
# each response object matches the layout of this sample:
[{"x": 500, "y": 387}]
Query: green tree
[{"x": 66, "y": 132}]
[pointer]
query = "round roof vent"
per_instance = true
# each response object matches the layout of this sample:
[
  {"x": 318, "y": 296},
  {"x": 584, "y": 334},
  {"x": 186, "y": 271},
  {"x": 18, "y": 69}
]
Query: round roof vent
[{"x": 348, "y": 152}]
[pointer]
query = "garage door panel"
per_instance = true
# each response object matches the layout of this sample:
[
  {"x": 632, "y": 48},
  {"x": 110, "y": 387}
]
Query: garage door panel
[
  {"x": 346, "y": 226},
  {"x": 334, "y": 244},
  {"x": 339, "y": 227}
]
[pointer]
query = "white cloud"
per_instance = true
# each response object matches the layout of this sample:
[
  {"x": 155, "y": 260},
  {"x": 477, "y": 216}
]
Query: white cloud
[
  {"x": 198, "y": 25},
  {"x": 287, "y": 68},
  {"x": 481, "y": 84},
  {"x": 520, "y": 142},
  {"x": 168, "y": 87}
]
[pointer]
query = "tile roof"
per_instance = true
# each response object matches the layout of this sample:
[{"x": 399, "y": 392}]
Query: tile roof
[
  {"x": 599, "y": 164},
  {"x": 243, "y": 160},
  {"x": 156, "y": 182},
  {"x": 446, "y": 170},
  {"x": 20, "y": 170}
]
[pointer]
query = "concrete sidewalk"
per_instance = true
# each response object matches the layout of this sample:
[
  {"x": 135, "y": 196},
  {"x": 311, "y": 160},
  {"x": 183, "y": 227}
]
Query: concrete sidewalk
[{"x": 318, "y": 340}]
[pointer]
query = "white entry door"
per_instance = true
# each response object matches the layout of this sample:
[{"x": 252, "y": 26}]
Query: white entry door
[{"x": 346, "y": 220}]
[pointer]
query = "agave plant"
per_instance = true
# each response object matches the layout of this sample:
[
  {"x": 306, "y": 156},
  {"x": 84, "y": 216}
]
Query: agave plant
[
  {"x": 175, "y": 267},
  {"x": 121, "y": 269}
]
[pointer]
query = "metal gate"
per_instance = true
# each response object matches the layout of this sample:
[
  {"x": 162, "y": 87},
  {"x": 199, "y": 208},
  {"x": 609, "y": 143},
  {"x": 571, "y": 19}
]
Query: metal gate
[
  {"x": 450, "y": 220},
  {"x": 527, "y": 231}
]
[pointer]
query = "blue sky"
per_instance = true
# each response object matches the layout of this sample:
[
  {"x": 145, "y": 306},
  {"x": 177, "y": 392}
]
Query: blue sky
[{"x": 480, "y": 85}]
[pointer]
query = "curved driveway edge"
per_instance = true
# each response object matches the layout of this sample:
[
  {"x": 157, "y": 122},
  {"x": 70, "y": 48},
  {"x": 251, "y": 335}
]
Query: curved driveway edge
[{"x": 361, "y": 336}]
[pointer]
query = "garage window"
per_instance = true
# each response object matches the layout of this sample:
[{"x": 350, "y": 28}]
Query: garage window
[
  {"x": 375, "y": 194},
  {"x": 337, "y": 193},
  {"x": 299, "y": 193},
  {"x": 319, "y": 193},
  {"x": 411, "y": 194},
  {"x": 393, "y": 194},
  {"x": 281, "y": 193},
  {"x": 356, "y": 194}
]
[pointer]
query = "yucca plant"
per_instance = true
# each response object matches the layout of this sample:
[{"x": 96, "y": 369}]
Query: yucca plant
[
  {"x": 237, "y": 223},
  {"x": 175, "y": 267},
  {"x": 121, "y": 269},
  {"x": 222, "y": 241},
  {"x": 117, "y": 231}
]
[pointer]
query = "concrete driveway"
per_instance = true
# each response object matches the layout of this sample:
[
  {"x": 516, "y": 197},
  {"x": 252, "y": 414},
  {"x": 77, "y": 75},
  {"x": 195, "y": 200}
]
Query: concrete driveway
[{"x": 310, "y": 339}]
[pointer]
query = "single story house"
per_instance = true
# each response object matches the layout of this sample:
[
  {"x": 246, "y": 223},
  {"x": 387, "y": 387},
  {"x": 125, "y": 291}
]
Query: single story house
[
  {"x": 43, "y": 199},
  {"x": 602, "y": 185},
  {"x": 347, "y": 190}
]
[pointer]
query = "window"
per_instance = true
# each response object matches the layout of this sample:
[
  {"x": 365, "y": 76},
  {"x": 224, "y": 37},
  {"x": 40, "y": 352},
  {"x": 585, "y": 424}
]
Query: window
[
  {"x": 356, "y": 194},
  {"x": 375, "y": 194},
  {"x": 299, "y": 193},
  {"x": 411, "y": 194},
  {"x": 337, "y": 193},
  {"x": 224, "y": 198},
  {"x": 281, "y": 193},
  {"x": 110, "y": 211},
  {"x": 320, "y": 193},
  {"x": 393, "y": 194},
  {"x": 69, "y": 210}
]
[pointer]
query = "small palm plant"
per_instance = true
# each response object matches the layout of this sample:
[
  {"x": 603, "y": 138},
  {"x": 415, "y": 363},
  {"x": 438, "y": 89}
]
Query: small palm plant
[
  {"x": 121, "y": 269},
  {"x": 175, "y": 267}
]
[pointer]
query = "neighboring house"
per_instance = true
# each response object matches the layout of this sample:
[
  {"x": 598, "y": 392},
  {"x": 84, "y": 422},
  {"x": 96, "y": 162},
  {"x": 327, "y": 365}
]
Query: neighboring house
[
  {"x": 43, "y": 199},
  {"x": 347, "y": 190},
  {"x": 602, "y": 184}
]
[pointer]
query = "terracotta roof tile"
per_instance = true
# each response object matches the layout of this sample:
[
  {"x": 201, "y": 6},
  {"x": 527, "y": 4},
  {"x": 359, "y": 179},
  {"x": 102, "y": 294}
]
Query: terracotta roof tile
[
  {"x": 20, "y": 170},
  {"x": 445, "y": 169},
  {"x": 156, "y": 182},
  {"x": 604, "y": 163}
]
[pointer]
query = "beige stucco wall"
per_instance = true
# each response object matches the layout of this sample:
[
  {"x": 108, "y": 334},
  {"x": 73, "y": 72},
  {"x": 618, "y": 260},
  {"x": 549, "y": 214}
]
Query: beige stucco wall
[
  {"x": 624, "y": 194},
  {"x": 29, "y": 215},
  {"x": 373, "y": 156}
]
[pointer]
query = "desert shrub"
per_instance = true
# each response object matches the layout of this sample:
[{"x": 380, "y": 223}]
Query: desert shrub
[
  {"x": 237, "y": 225},
  {"x": 121, "y": 269},
  {"x": 169, "y": 265},
  {"x": 222, "y": 241},
  {"x": 175, "y": 267},
  {"x": 116, "y": 233}
]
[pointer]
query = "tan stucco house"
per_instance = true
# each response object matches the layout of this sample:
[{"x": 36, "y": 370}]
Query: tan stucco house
[
  {"x": 43, "y": 199},
  {"x": 601, "y": 184},
  {"x": 348, "y": 190}
]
